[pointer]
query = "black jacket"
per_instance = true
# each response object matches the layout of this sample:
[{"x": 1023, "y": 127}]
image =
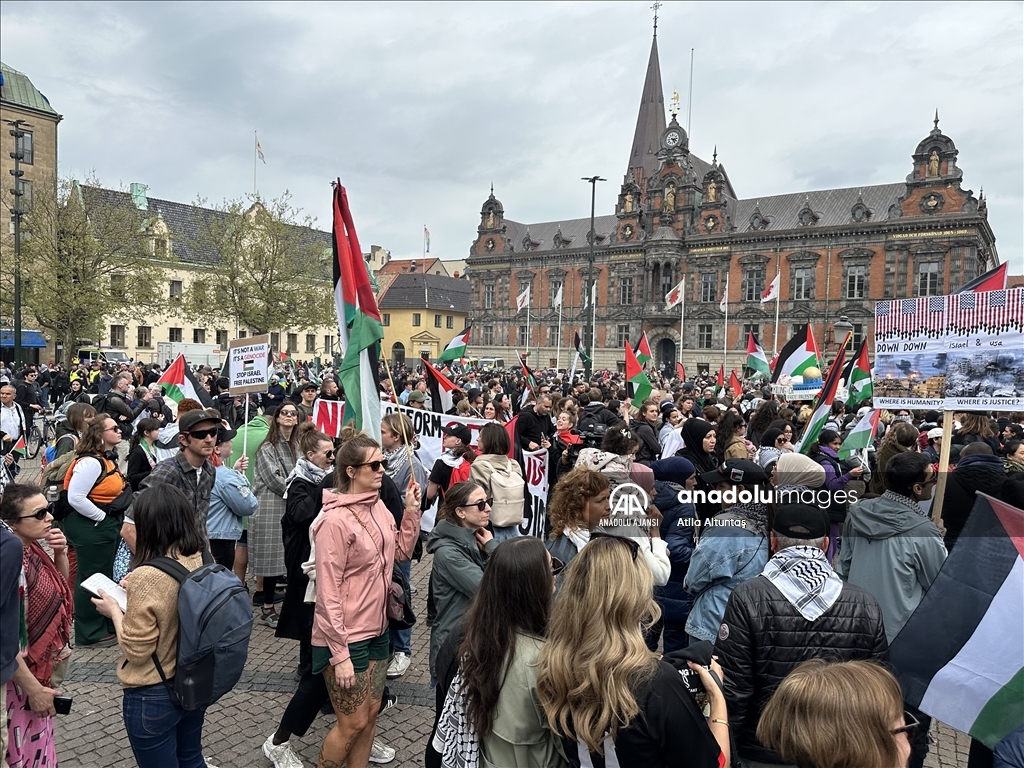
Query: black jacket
[
  {"x": 533, "y": 427},
  {"x": 118, "y": 406},
  {"x": 650, "y": 448},
  {"x": 977, "y": 472},
  {"x": 764, "y": 638},
  {"x": 596, "y": 413}
]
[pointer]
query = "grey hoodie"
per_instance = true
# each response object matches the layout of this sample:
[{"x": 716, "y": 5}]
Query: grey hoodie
[
  {"x": 893, "y": 552},
  {"x": 454, "y": 577}
]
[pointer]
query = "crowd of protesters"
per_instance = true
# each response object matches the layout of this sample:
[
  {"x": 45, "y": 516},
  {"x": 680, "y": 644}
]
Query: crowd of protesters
[{"x": 574, "y": 649}]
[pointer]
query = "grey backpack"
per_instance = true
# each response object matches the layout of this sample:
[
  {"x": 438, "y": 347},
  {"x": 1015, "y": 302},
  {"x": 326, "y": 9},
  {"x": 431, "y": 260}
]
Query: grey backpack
[{"x": 215, "y": 622}]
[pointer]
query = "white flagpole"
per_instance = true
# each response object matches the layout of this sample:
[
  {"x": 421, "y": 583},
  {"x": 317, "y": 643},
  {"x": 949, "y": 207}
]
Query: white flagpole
[
  {"x": 682, "y": 319},
  {"x": 593, "y": 320},
  {"x": 558, "y": 352},
  {"x": 572, "y": 373},
  {"x": 725, "y": 330},
  {"x": 778, "y": 300},
  {"x": 255, "y": 141},
  {"x": 528, "y": 300}
]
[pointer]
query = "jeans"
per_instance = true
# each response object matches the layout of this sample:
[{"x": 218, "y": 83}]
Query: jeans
[
  {"x": 161, "y": 733},
  {"x": 402, "y": 639},
  {"x": 505, "y": 532}
]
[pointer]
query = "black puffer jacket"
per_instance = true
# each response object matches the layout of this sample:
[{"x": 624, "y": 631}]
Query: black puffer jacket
[
  {"x": 763, "y": 638},
  {"x": 977, "y": 472}
]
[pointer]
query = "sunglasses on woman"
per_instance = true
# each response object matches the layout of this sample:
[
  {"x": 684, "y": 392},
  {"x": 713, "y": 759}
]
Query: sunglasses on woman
[
  {"x": 375, "y": 466},
  {"x": 480, "y": 505},
  {"x": 910, "y": 727},
  {"x": 634, "y": 548},
  {"x": 39, "y": 514}
]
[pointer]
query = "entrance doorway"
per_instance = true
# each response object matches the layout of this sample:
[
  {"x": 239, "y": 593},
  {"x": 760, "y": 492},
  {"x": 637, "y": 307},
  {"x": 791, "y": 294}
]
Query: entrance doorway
[
  {"x": 398, "y": 354},
  {"x": 666, "y": 354}
]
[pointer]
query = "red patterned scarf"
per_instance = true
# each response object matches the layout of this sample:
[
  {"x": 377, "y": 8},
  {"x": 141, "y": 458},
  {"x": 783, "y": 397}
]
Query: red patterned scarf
[{"x": 48, "y": 613}]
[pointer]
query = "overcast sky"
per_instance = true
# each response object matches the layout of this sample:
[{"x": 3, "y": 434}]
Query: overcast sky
[{"x": 418, "y": 107}]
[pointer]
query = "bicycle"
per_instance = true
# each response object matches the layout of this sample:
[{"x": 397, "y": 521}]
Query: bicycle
[{"x": 42, "y": 433}]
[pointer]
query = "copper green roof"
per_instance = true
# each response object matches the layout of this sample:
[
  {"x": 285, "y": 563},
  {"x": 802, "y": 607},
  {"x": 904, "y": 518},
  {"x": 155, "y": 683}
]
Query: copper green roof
[{"x": 16, "y": 88}]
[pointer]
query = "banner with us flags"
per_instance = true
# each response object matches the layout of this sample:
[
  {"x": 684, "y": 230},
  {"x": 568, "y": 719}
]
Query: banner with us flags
[{"x": 963, "y": 351}]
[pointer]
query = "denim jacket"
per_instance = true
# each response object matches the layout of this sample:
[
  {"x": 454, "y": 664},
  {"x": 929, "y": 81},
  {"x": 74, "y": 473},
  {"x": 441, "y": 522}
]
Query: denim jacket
[
  {"x": 231, "y": 500},
  {"x": 728, "y": 552}
]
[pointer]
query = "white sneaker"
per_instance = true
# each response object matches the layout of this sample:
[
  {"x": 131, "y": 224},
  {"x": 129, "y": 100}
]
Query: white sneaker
[
  {"x": 380, "y": 753},
  {"x": 281, "y": 755},
  {"x": 399, "y": 665}
]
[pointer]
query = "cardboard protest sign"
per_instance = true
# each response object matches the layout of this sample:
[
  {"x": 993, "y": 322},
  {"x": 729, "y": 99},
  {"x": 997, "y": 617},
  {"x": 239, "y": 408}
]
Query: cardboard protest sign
[{"x": 248, "y": 365}]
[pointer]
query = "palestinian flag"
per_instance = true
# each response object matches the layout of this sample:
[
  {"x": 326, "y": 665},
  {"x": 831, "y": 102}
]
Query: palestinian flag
[
  {"x": 756, "y": 359},
  {"x": 680, "y": 372},
  {"x": 441, "y": 388},
  {"x": 860, "y": 436},
  {"x": 799, "y": 354},
  {"x": 720, "y": 382},
  {"x": 179, "y": 383},
  {"x": 857, "y": 376},
  {"x": 456, "y": 349},
  {"x": 20, "y": 446},
  {"x": 638, "y": 386},
  {"x": 993, "y": 280},
  {"x": 359, "y": 323},
  {"x": 643, "y": 350},
  {"x": 531, "y": 382},
  {"x": 960, "y": 657},
  {"x": 735, "y": 385},
  {"x": 580, "y": 349},
  {"x": 823, "y": 405}
]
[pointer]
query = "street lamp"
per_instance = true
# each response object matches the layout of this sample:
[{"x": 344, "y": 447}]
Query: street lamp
[
  {"x": 592, "y": 237},
  {"x": 840, "y": 328},
  {"x": 17, "y": 212}
]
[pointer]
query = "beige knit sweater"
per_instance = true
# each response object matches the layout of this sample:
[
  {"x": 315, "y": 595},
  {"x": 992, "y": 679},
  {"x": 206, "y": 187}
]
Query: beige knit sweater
[{"x": 151, "y": 624}]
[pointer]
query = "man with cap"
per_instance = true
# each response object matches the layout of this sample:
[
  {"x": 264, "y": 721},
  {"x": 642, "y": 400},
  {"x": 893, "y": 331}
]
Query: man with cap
[
  {"x": 191, "y": 469},
  {"x": 307, "y": 399},
  {"x": 417, "y": 400},
  {"x": 796, "y": 609},
  {"x": 452, "y": 465},
  {"x": 732, "y": 546},
  {"x": 934, "y": 447},
  {"x": 231, "y": 499}
]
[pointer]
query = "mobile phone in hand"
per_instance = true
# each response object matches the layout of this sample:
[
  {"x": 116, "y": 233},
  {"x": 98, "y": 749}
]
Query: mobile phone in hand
[{"x": 62, "y": 704}]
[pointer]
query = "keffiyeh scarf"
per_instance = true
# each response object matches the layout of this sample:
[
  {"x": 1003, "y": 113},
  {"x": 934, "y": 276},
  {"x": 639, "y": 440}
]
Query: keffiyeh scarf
[
  {"x": 806, "y": 580},
  {"x": 455, "y": 738},
  {"x": 304, "y": 470}
]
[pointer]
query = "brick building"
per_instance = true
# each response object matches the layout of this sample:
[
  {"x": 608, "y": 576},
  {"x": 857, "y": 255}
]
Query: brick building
[{"x": 836, "y": 252}]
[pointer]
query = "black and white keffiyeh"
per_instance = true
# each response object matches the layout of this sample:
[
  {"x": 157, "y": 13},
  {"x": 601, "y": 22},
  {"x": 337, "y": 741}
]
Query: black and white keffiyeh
[
  {"x": 305, "y": 470},
  {"x": 805, "y": 578},
  {"x": 455, "y": 738}
]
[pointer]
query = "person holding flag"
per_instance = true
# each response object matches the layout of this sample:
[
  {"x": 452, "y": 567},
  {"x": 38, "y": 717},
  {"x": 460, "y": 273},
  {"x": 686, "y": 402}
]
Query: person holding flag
[
  {"x": 756, "y": 360},
  {"x": 12, "y": 428}
]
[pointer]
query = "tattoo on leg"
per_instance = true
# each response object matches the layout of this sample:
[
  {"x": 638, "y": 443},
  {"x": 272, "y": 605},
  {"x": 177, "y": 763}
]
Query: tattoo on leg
[
  {"x": 324, "y": 762},
  {"x": 378, "y": 672},
  {"x": 347, "y": 701}
]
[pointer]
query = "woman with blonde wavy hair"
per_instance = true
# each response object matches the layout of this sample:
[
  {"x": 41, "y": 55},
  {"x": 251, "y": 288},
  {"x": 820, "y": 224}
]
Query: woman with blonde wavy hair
[{"x": 611, "y": 699}]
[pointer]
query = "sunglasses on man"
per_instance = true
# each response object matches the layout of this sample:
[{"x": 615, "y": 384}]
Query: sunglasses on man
[{"x": 202, "y": 434}]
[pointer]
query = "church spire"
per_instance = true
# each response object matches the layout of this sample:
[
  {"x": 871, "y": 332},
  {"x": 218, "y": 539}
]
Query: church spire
[{"x": 650, "y": 122}]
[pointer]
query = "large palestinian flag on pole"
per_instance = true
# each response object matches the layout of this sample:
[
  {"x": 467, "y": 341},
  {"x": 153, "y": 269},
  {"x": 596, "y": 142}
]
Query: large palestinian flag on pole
[
  {"x": 799, "y": 354},
  {"x": 359, "y": 324},
  {"x": 756, "y": 359},
  {"x": 441, "y": 388},
  {"x": 643, "y": 350},
  {"x": 960, "y": 656},
  {"x": 178, "y": 383},
  {"x": 823, "y": 405},
  {"x": 638, "y": 386},
  {"x": 857, "y": 376},
  {"x": 860, "y": 436},
  {"x": 456, "y": 348},
  {"x": 993, "y": 280}
]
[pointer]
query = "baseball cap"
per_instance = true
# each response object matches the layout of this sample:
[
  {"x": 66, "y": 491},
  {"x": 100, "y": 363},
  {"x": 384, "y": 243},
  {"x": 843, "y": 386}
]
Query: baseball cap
[
  {"x": 800, "y": 521},
  {"x": 308, "y": 385},
  {"x": 199, "y": 415},
  {"x": 934, "y": 433},
  {"x": 417, "y": 397},
  {"x": 460, "y": 431},
  {"x": 741, "y": 471},
  {"x": 224, "y": 434}
]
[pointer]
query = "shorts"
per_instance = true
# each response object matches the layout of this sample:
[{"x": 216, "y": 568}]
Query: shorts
[
  {"x": 361, "y": 653},
  {"x": 244, "y": 540}
]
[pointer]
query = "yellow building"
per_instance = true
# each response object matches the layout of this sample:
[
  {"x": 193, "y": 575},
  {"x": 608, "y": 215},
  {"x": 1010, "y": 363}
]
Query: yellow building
[{"x": 421, "y": 314}]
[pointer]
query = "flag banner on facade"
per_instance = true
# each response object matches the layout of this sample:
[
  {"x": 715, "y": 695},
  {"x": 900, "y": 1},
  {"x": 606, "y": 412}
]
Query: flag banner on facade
[
  {"x": 964, "y": 351},
  {"x": 456, "y": 349},
  {"x": 675, "y": 297},
  {"x": 857, "y": 376},
  {"x": 638, "y": 386},
  {"x": 259, "y": 151},
  {"x": 960, "y": 656},
  {"x": 860, "y": 436},
  {"x": 725, "y": 299},
  {"x": 823, "y": 405},
  {"x": 580, "y": 349},
  {"x": 993, "y": 280},
  {"x": 523, "y": 299},
  {"x": 771, "y": 293},
  {"x": 643, "y": 350},
  {"x": 441, "y": 388},
  {"x": 360, "y": 329},
  {"x": 593, "y": 297},
  {"x": 799, "y": 354},
  {"x": 558, "y": 298},
  {"x": 426, "y": 239},
  {"x": 756, "y": 359},
  {"x": 179, "y": 383}
]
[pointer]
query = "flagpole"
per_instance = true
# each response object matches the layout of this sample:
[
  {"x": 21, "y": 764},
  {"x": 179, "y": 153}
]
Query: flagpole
[
  {"x": 778, "y": 299},
  {"x": 558, "y": 351},
  {"x": 682, "y": 319},
  {"x": 255, "y": 140},
  {"x": 405, "y": 436},
  {"x": 725, "y": 333},
  {"x": 528, "y": 329}
]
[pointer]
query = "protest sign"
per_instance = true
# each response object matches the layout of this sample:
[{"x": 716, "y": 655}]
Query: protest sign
[
  {"x": 249, "y": 365},
  {"x": 962, "y": 351}
]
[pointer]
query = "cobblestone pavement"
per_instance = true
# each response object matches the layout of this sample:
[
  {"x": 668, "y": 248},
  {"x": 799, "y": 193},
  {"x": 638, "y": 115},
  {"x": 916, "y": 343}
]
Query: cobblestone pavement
[{"x": 93, "y": 735}]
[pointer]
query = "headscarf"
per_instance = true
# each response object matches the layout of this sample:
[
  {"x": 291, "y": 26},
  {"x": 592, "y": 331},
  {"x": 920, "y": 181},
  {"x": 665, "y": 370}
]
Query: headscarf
[
  {"x": 770, "y": 436},
  {"x": 797, "y": 469},
  {"x": 694, "y": 432},
  {"x": 673, "y": 470}
]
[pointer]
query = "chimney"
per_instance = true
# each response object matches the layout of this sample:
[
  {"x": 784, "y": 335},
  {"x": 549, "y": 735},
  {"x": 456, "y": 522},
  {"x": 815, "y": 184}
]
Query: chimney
[{"x": 138, "y": 193}]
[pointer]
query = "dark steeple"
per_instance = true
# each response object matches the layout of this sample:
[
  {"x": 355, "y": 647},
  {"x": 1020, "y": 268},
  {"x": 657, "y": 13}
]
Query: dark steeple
[{"x": 650, "y": 122}]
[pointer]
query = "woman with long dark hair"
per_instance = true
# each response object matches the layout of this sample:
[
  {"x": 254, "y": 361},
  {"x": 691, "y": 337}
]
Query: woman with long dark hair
[
  {"x": 729, "y": 442},
  {"x": 494, "y": 650},
  {"x": 142, "y": 454}
]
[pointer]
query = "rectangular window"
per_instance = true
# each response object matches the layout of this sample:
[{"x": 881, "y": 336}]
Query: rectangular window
[
  {"x": 796, "y": 328},
  {"x": 117, "y": 335},
  {"x": 242, "y": 333},
  {"x": 667, "y": 284},
  {"x": 275, "y": 341},
  {"x": 329, "y": 343},
  {"x": 449, "y": 322},
  {"x": 174, "y": 335},
  {"x": 488, "y": 335},
  {"x": 24, "y": 145},
  {"x": 144, "y": 338},
  {"x": 385, "y": 318},
  {"x": 626, "y": 290},
  {"x": 928, "y": 279},
  {"x": 554, "y": 286},
  {"x": 116, "y": 285},
  {"x": 704, "y": 336},
  {"x": 524, "y": 337},
  {"x": 586, "y": 291},
  {"x": 417, "y": 319},
  {"x": 198, "y": 335},
  {"x": 311, "y": 343},
  {"x": 437, "y": 321},
  {"x": 160, "y": 247},
  {"x": 293, "y": 343},
  {"x": 222, "y": 340},
  {"x": 553, "y": 336},
  {"x": 858, "y": 337},
  {"x": 749, "y": 328},
  {"x": 26, "y": 195},
  {"x": 622, "y": 335},
  {"x": 803, "y": 283},
  {"x": 709, "y": 287},
  {"x": 856, "y": 282},
  {"x": 753, "y": 284},
  {"x": 175, "y": 290},
  {"x": 489, "y": 296}
]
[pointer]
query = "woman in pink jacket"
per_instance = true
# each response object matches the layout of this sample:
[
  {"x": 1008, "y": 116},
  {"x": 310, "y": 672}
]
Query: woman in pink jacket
[{"x": 356, "y": 544}]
